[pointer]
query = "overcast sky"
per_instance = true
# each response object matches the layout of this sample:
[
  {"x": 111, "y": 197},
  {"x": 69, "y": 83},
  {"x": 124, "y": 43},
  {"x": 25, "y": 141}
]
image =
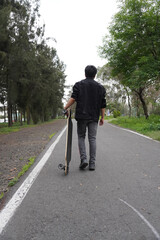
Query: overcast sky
[{"x": 78, "y": 27}]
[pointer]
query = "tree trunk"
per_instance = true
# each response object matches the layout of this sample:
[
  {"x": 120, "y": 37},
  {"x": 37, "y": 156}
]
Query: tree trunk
[
  {"x": 4, "y": 113},
  {"x": 24, "y": 114},
  {"x": 9, "y": 105},
  {"x": 137, "y": 105},
  {"x": 9, "y": 110},
  {"x": 16, "y": 118},
  {"x": 28, "y": 116},
  {"x": 21, "y": 119},
  {"x": 144, "y": 105},
  {"x": 129, "y": 104}
]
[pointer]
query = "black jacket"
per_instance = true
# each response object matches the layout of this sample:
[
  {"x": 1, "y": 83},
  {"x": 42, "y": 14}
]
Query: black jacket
[{"x": 90, "y": 98}]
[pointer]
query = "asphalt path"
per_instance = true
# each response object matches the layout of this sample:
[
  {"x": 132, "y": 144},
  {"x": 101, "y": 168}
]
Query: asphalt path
[{"x": 120, "y": 200}]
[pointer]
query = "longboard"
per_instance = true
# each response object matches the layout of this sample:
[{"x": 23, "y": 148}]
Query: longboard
[{"x": 68, "y": 148}]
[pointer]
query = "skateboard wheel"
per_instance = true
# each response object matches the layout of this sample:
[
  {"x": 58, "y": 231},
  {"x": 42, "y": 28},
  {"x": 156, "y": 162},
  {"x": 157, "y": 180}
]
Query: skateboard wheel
[{"x": 61, "y": 166}]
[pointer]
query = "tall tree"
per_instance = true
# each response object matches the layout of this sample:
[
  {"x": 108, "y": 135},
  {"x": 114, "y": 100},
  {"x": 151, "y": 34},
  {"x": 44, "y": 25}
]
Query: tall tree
[
  {"x": 116, "y": 93},
  {"x": 31, "y": 74},
  {"x": 133, "y": 47}
]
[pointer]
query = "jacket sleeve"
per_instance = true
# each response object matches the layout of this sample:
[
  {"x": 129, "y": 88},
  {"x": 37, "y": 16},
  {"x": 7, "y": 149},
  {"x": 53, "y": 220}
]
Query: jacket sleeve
[
  {"x": 75, "y": 92},
  {"x": 103, "y": 104}
]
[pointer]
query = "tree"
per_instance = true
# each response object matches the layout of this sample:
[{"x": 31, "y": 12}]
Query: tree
[
  {"x": 16, "y": 27},
  {"x": 48, "y": 91},
  {"x": 116, "y": 93},
  {"x": 133, "y": 47},
  {"x": 31, "y": 73}
]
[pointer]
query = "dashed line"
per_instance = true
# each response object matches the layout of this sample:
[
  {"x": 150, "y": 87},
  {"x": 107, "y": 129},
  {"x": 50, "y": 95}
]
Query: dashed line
[
  {"x": 7, "y": 213},
  {"x": 143, "y": 218}
]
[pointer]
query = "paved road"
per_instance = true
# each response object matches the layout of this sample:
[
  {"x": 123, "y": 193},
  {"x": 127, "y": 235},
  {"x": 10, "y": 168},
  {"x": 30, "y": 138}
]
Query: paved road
[{"x": 119, "y": 201}]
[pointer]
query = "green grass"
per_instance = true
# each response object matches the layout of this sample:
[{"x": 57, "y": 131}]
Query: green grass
[
  {"x": 1, "y": 195},
  {"x": 154, "y": 134},
  {"x": 13, "y": 182},
  {"x": 26, "y": 167},
  {"x": 52, "y": 135},
  {"x": 22, "y": 172},
  {"x": 4, "y": 129},
  {"x": 149, "y": 127}
]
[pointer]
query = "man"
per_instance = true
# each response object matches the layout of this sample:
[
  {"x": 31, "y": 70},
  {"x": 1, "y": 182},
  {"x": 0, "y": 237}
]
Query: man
[{"x": 90, "y": 98}]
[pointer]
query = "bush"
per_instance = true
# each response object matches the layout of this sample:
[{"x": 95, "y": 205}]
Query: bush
[
  {"x": 156, "y": 110},
  {"x": 116, "y": 113}
]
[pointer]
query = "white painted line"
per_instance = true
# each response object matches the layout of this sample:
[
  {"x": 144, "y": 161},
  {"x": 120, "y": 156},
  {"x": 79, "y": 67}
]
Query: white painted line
[
  {"x": 7, "y": 213},
  {"x": 128, "y": 130},
  {"x": 143, "y": 218}
]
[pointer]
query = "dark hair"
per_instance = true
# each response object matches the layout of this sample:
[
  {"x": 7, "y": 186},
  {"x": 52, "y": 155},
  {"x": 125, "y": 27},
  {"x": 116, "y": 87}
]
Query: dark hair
[{"x": 90, "y": 71}]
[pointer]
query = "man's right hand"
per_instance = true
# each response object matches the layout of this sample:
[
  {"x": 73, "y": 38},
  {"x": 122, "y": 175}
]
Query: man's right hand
[
  {"x": 101, "y": 122},
  {"x": 65, "y": 112}
]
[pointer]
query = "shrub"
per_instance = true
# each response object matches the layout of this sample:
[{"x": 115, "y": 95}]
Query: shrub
[{"x": 116, "y": 113}]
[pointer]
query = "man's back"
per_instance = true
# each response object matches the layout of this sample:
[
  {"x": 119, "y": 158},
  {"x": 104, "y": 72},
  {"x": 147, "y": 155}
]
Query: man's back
[
  {"x": 91, "y": 102},
  {"x": 89, "y": 96}
]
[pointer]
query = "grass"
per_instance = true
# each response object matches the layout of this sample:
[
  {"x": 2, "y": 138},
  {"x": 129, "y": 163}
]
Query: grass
[
  {"x": 154, "y": 134},
  {"x": 1, "y": 195},
  {"x": 26, "y": 167},
  {"x": 149, "y": 127},
  {"x": 22, "y": 172},
  {"x": 13, "y": 182},
  {"x": 4, "y": 129},
  {"x": 52, "y": 135}
]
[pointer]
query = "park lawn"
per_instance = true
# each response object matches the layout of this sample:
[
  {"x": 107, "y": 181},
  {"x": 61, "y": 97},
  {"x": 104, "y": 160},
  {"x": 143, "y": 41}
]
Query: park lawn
[{"x": 149, "y": 127}]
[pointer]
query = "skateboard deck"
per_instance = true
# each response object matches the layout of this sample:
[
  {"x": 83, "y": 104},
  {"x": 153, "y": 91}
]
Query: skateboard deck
[{"x": 68, "y": 147}]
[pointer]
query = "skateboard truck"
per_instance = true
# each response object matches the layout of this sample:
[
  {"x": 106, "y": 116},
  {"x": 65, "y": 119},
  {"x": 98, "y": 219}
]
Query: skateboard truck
[{"x": 63, "y": 167}]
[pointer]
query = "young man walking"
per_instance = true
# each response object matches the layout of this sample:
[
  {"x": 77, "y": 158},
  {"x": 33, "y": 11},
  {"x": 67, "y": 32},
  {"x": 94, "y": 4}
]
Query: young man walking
[{"x": 90, "y": 98}]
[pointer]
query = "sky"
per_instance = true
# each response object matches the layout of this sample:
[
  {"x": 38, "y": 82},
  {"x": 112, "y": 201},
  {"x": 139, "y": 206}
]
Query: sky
[{"x": 78, "y": 27}]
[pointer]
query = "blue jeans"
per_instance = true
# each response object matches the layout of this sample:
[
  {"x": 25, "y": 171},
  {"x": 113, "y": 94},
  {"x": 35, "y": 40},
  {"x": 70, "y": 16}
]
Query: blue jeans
[{"x": 82, "y": 126}]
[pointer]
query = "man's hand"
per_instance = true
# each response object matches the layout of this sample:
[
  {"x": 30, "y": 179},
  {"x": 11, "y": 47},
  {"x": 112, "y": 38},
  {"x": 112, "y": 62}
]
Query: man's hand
[
  {"x": 65, "y": 112},
  {"x": 101, "y": 122}
]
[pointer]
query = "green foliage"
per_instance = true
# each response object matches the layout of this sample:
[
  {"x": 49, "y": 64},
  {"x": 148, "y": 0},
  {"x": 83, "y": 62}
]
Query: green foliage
[
  {"x": 149, "y": 127},
  {"x": 31, "y": 73},
  {"x": 116, "y": 113},
  {"x": 133, "y": 47},
  {"x": 152, "y": 127},
  {"x": 156, "y": 109}
]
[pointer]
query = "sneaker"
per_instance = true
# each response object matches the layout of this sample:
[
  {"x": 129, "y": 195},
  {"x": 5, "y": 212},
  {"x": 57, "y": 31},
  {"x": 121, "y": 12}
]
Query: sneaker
[
  {"x": 83, "y": 164},
  {"x": 92, "y": 166}
]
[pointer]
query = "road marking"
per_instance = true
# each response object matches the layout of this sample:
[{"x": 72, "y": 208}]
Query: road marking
[
  {"x": 143, "y": 218},
  {"x": 7, "y": 213},
  {"x": 128, "y": 130}
]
